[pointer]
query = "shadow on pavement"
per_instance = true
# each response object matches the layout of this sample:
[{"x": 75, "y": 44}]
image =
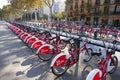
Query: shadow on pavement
[
  {"x": 116, "y": 75},
  {"x": 39, "y": 69}
]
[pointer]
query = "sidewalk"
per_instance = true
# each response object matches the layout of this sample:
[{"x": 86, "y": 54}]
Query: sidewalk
[{"x": 17, "y": 62}]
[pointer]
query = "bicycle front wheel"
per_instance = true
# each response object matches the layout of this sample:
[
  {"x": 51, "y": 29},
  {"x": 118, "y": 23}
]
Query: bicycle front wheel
[
  {"x": 59, "y": 70},
  {"x": 87, "y": 55}
]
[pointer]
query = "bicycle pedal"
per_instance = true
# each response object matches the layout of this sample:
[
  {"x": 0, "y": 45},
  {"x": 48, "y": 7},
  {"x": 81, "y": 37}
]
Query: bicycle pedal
[
  {"x": 36, "y": 54},
  {"x": 99, "y": 61}
]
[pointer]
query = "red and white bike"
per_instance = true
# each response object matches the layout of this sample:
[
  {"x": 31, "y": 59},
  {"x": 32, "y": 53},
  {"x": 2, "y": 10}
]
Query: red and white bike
[
  {"x": 63, "y": 61},
  {"x": 54, "y": 46},
  {"x": 106, "y": 65}
]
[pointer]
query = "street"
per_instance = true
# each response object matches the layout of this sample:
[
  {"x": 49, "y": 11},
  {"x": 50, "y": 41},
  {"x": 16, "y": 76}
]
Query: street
[{"x": 18, "y": 62}]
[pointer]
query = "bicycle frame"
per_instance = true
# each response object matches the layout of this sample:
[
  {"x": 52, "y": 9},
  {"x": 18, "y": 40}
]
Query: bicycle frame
[
  {"x": 72, "y": 60},
  {"x": 69, "y": 59},
  {"x": 52, "y": 47}
]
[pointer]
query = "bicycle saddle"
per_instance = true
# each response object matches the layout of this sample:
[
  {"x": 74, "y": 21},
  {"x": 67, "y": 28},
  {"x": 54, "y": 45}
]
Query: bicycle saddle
[{"x": 96, "y": 53}]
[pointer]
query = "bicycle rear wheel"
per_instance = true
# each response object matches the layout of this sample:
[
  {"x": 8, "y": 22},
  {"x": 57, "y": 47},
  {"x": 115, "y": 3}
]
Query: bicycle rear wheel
[
  {"x": 86, "y": 70},
  {"x": 34, "y": 50},
  {"x": 114, "y": 62},
  {"x": 59, "y": 70},
  {"x": 108, "y": 77},
  {"x": 62, "y": 44},
  {"x": 45, "y": 57}
]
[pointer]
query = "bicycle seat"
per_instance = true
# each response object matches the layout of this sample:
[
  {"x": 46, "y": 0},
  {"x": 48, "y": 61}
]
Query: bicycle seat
[
  {"x": 96, "y": 53},
  {"x": 51, "y": 38},
  {"x": 66, "y": 39}
]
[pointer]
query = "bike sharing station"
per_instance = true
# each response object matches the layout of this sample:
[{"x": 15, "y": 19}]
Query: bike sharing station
[{"x": 46, "y": 43}]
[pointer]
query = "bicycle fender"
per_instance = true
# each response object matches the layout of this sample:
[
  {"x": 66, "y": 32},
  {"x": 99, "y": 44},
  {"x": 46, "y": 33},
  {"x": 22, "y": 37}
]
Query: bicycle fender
[
  {"x": 45, "y": 49},
  {"x": 37, "y": 44},
  {"x": 60, "y": 59},
  {"x": 31, "y": 40},
  {"x": 29, "y": 36},
  {"x": 95, "y": 74},
  {"x": 15, "y": 29},
  {"x": 19, "y": 32},
  {"x": 24, "y": 35}
]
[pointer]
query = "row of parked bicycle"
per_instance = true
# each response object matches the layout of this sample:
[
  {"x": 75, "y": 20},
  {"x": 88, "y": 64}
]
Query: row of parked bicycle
[
  {"x": 85, "y": 30},
  {"x": 46, "y": 45}
]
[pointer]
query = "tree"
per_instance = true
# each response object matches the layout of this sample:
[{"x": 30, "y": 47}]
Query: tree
[
  {"x": 6, "y": 11},
  {"x": 1, "y": 14},
  {"x": 59, "y": 15},
  {"x": 49, "y": 3},
  {"x": 45, "y": 16},
  {"x": 18, "y": 7}
]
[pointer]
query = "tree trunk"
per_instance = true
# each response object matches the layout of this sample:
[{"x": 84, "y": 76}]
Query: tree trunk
[
  {"x": 36, "y": 16},
  {"x": 31, "y": 16},
  {"x": 50, "y": 13}
]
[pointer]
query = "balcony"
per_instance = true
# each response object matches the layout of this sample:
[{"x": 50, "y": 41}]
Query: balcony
[
  {"x": 114, "y": 13},
  {"x": 97, "y": 13},
  {"x": 105, "y": 13}
]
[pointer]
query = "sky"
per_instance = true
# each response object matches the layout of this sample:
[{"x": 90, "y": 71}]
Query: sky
[
  {"x": 3, "y": 2},
  {"x": 61, "y": 0}
]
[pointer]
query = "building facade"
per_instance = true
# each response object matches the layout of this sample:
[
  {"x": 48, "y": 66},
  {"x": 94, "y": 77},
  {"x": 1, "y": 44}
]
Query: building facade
[{"x": 94, "y": 11}]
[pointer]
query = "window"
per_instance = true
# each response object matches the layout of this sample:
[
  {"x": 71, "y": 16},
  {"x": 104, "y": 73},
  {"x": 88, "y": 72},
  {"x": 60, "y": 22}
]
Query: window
[
  {"x": 97, "y": 2},
  {"x": 117, "y": 0},
  {"x": 97, "y": 10},
  {"x": 82, "y": 6},
  {"x": 106, "y": 9},
  {"x": 107, "y": 1},
  {"x": 82, "y": 1},
  {"x": 117, "y": 9},
  {"x": 89, "y": 2},
  {"x": 71, "y": 8},
  {"x": 82, "y": 9},
  {"x": 76, "y": 5}
]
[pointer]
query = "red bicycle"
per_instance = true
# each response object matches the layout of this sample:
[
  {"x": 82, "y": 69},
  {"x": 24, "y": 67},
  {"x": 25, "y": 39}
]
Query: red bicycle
[
  {"x": 106, "y": 65},
  {"x": 46, "y": 51},
  {"x": 63, "y": 61}
]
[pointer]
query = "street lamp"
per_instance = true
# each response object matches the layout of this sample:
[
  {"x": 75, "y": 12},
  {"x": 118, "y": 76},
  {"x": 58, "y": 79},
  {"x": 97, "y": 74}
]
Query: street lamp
[
  {"x": 24, "y": 11},
  {"x": 36, "y": 15}
]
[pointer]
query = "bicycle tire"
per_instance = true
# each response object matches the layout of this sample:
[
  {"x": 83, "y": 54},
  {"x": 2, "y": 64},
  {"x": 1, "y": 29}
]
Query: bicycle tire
[
  {"x": 45, "y": 57},
  {"x": 115, "y": 63},
  {"x": 88, "y": 57},
  {"x": 59, "y": 72},
  {"x": 62, "y": 44}
]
